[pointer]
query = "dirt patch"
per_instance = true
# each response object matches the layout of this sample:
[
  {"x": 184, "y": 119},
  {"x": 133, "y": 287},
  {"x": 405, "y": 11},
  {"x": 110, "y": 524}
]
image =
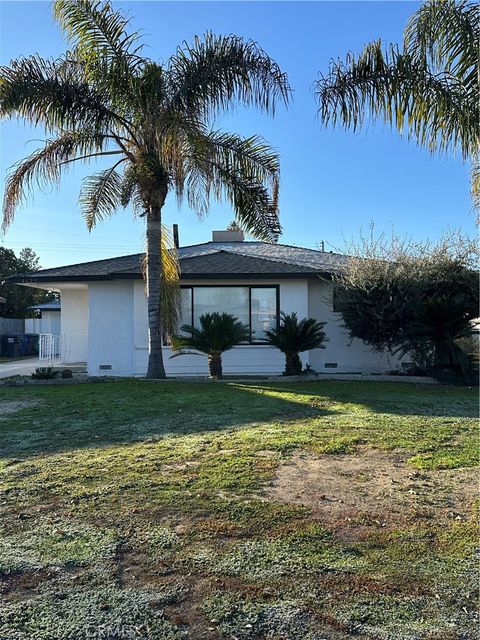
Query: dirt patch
[
  {"x": 373, "y": 488},
  {"x": 12, "y": 406}
]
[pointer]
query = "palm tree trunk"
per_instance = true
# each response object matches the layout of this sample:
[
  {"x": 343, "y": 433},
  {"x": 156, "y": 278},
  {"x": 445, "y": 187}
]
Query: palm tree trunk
[
  {"x": 156, "y": 369},
  {"x": 293, "y": 364},
  {"x": 215, "y": 365}
]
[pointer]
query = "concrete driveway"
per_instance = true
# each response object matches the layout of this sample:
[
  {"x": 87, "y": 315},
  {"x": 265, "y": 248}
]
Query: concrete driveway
[{"x": 18, "y": 367}]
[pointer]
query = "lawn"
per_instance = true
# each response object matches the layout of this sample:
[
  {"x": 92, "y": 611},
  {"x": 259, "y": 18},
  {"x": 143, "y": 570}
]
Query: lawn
[{"x": 309, "y": 511}]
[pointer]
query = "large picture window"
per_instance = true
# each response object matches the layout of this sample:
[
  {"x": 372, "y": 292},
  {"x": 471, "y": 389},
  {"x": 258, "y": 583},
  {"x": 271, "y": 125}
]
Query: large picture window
[{"x": 255, "y": 306}]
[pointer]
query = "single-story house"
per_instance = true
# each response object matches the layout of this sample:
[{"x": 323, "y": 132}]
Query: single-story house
[
  {"x": 104, "y": 307},
  {"x": 47, "y": 320}
]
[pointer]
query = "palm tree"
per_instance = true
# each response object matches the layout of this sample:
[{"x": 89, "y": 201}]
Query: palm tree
[
  {"x": 436, "y": 331},
  {"x": 103, "y": 98},
  {"x": 293, "y": 337},
  {"x": 429, "y": 88},
  {"x": 218, "y": 333}
]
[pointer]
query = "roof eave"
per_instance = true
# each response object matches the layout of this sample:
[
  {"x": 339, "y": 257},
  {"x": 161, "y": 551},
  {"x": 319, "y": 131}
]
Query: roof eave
[{"x": 183, "y": 276}]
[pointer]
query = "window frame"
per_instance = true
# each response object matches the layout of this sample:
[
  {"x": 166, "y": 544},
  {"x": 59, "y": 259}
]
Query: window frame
[{"x": 251, "y": 341}]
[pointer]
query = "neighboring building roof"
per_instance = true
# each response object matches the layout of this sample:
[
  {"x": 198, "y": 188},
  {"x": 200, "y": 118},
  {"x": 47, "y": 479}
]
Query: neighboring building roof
[
  {"x": 47, "y": 306},
  {"x": 223, "y": 260}
]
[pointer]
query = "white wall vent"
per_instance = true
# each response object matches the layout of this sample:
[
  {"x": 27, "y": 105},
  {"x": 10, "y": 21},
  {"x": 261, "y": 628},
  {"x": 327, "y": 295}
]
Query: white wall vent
[
  {"x": 331, "y": 365},
  {"x": 104, "y": 367}
]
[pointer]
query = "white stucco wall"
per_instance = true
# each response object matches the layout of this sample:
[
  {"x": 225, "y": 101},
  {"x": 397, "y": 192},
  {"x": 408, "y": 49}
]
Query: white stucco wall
[
  {"x": 74, "y": 324},
  {"x": 351, "y": 356},
  {"x": 107, "y": 325},
  {"x": 50, "y": 322},
  {"x": 111, "y": 328},
  {"x": 244, "y": 359}
]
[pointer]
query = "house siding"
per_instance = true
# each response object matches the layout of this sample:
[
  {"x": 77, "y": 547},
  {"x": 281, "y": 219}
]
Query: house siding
[
  {"x": 111, "y": 328},
  {"x": 74, "y": 323},
  {"x": 50, "y": 322},
  {"x": 114, "y": 315},
  {"x": 350, "y": 356}
]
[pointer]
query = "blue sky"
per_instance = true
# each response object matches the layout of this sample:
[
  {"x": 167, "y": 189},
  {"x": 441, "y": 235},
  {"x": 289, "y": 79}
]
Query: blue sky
[{"x": 333, "y": 181}]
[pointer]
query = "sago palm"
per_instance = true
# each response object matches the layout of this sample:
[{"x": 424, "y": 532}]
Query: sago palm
[
  {"x": 218, "y": 332},
  {"x": 104, "y": 98},
  {"x": 436, "y": 330},
  {"x": 293, "y": 337},
  {"x": 429, "y": 88}
]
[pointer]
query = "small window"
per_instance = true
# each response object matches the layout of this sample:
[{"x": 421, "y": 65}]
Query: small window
[{"x": 336, "y": 294}]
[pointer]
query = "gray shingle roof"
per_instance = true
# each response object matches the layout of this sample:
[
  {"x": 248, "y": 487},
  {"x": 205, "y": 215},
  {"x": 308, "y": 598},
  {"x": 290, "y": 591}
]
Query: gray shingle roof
[
  {"x": 47, "y": 306},
  {"x": 208, "y": 260}
]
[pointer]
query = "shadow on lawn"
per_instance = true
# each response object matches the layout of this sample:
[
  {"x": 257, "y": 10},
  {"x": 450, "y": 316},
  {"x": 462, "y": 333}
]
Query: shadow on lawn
[
  {"x": 72, "y": 417},
  {"x": 383, "y": 397}
]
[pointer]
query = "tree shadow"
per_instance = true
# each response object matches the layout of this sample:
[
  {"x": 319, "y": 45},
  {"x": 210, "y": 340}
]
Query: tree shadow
[
  {"x": 65, "y": 418},
  {"x": 401, "y": 399}
]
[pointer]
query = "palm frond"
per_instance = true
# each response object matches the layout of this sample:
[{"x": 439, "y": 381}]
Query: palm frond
[
  {"x": 475, "y": 187},
  {"x": 296, "y": 336},
  {"x": 54, "y": 94},
  {"x": 170, "y": 283},
  {"x": 95, "y": 27},
  {"x": 218, "y": 332},
  {"x": 215, "y": 72},
  {"x": 431, "y": 108},
  {"x": 101, "y": 195},
  {"x": 437, "y": 327},
  {"x": 255, "y": 207},
  {"x": 130, "y": 191},
  {"x": 251, "y": 156},
  {"x": 46, "y": 165},
  {"x": 445, "y": 35},
  {"x": 244, "y": 170},
  {"x": 106, "y": 50},
  {"x": 429, "y": 88}
]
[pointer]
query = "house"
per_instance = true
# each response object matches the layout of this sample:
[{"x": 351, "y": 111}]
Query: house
[
  {"x": 47, "y": 320},
  {"x": 104, "y": 307}
]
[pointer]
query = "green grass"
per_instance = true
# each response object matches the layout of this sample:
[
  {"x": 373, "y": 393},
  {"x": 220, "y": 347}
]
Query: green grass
[{"x": 143, "y": 506}]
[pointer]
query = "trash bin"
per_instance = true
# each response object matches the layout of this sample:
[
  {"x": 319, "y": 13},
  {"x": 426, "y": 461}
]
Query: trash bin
[
  {"x": 11, "y": 346},
  {"x": 23, "y": 346},
  {"x": 33, "y": 339}
]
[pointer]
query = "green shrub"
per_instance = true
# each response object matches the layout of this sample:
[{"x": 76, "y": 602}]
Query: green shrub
[{"x": 44, "y": 373}]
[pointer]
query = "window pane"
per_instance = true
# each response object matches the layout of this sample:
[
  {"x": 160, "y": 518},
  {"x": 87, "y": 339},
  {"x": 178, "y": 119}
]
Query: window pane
[
  {"x": 185, "y": 308},
  {"x": 264, "y": 311},
  {"x": 232, "y": 300}
]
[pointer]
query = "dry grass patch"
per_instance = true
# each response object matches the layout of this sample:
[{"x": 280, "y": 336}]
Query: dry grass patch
[
  {"x": 7, "y": 407},
  {"x": 373, "y": 488}
]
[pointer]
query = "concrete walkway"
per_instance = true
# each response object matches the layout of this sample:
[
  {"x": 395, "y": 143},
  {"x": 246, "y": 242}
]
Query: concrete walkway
[{"x": 18, "y": 367}]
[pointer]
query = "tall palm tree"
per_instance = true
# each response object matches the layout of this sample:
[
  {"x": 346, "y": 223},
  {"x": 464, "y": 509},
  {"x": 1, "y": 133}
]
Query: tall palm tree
[
  {"x": 428, "y": 89},
  {"x": 104, "y": 98}
]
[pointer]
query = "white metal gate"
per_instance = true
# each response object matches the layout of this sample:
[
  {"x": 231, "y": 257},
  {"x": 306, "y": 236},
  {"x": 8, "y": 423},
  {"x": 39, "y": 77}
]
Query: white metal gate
[{"x": 49, "y": 351}]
